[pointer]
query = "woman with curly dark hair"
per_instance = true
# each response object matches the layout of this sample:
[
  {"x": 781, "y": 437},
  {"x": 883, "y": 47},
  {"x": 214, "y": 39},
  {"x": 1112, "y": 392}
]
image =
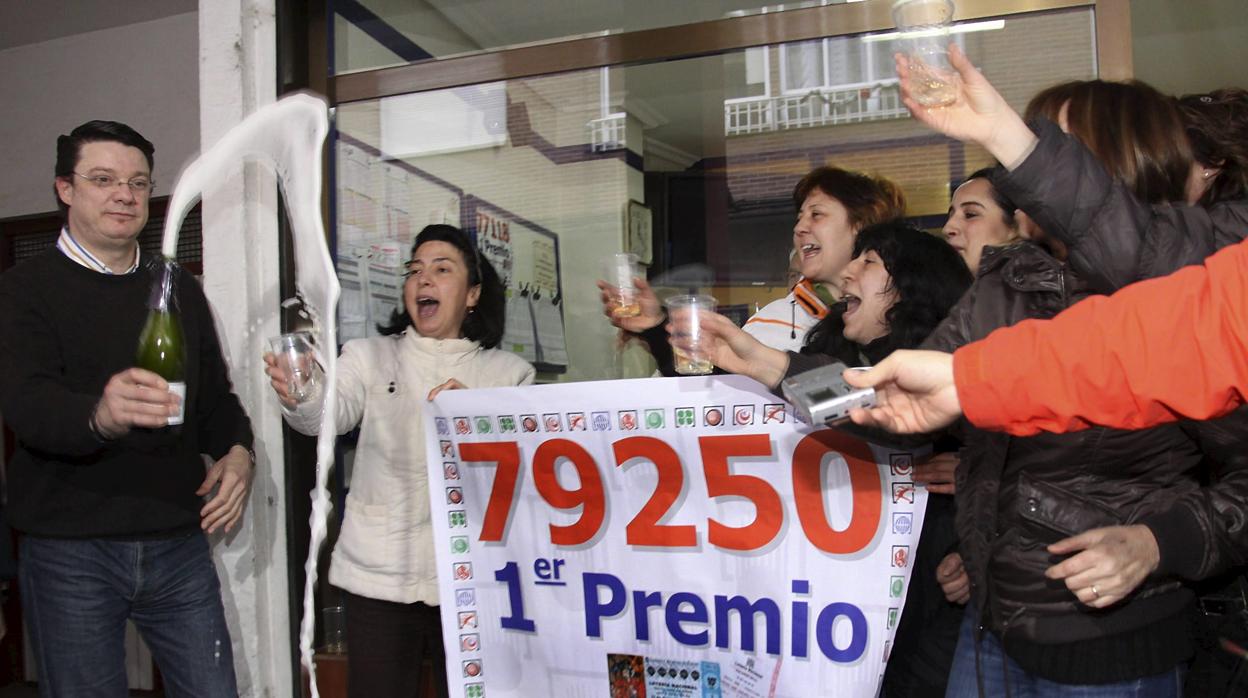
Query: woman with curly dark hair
[
  {"x": 898, "y": 285},
  {"x": 832, "y": 205}
]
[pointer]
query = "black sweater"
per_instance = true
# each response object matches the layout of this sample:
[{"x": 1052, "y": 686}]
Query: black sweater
[{"x": 64, "y": 331}]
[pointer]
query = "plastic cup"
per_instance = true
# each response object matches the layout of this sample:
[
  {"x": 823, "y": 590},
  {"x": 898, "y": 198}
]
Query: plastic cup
[
  {"x": 295, "y": 355},
  {"x": 924, "y": 28},
  {"x": 334, "y": 629},
  {"x": 620, "y": 270},
  {"x": 682, "y": 313}
]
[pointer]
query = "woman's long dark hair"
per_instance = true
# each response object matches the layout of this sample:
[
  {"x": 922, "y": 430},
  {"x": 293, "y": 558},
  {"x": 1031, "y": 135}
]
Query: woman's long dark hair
[
  {"x": 484, "y": 323},
  {"x": 929, "y": 278},
  {"x": 1217, "y": 127},
  {"x": 1134, "y": 131}
]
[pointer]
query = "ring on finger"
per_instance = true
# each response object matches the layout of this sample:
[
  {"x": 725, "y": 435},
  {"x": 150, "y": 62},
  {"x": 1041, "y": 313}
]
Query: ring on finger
[{"x": 1096, "y": 594}]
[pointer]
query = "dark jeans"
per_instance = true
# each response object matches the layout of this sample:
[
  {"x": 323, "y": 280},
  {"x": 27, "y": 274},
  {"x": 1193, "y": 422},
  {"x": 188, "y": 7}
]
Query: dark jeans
[
  {"x": 387, "y": 646},
  {"x": 963, "y": 681},
  {"x": 77, "y": 595}
]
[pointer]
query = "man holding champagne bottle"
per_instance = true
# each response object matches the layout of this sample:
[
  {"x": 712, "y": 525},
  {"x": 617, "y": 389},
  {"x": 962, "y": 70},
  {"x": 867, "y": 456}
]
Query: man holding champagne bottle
[{"x": 115, "y": 386}]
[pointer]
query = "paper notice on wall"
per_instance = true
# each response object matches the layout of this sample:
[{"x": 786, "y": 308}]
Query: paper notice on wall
[
  {"x": 545, "y": 264},
  {"x": 352, "y": 304}
]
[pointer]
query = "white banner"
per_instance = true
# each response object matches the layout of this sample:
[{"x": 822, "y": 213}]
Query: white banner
[{"x": 663, "y": 538}]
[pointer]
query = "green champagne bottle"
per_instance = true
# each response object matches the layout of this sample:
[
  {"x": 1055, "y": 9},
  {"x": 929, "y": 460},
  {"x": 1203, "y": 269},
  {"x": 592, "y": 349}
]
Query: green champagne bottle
[{"x": 161, "y": 349}]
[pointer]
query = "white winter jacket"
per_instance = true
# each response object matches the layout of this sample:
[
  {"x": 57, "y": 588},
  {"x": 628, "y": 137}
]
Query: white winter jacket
[{"x": 385, "y": 548}]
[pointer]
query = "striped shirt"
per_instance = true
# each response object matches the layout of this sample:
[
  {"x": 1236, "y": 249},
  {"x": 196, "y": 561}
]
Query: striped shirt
[{"x": 75, "y": 251}]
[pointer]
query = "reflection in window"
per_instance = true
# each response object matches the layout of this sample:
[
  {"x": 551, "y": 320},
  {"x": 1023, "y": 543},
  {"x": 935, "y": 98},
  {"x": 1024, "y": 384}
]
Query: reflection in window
[
  {"x": 825, "y": 82},
  {"x": 549, "y": 172}
]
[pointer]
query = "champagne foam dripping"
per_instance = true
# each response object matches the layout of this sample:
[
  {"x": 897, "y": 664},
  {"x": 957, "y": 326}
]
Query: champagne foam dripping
[{"x": 288, "y": 136}]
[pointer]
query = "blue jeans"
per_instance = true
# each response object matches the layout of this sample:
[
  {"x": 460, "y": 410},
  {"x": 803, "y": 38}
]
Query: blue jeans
[
  {"x": 77, "y": 595},
  {"x": 963, "y": 684}
]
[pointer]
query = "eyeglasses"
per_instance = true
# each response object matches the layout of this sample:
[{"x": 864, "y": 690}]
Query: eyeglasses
[{"x": 138, "y": 185}]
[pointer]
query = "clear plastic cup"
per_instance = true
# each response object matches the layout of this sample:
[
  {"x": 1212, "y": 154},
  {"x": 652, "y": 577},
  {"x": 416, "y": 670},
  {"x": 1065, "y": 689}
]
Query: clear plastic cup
[
  {"x": 295, "y": 355},
  {"x": 924, "y": 28},
  {"x": 682, "y": 313},
  {"x": 334, "y": 629},
  {"x": 620, "y": 270}
]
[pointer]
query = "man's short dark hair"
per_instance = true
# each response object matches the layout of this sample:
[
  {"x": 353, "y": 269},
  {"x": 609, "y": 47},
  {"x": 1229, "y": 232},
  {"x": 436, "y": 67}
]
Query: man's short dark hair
[{"x": 69, "y": 148}]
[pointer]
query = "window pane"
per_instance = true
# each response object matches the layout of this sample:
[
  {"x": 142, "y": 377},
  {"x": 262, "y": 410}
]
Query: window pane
[
  {"x": 379, "y": 33},
  {"x": 549, "y": 172},
  {"x": 803, "y": 65}
]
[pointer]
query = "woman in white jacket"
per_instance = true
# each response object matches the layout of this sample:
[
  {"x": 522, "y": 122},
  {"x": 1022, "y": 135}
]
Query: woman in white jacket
[{"x": 444, "y": 337}]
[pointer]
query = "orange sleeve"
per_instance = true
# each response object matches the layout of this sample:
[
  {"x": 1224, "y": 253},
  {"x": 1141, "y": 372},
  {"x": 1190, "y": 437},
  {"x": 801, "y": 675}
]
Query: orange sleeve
[{"x": 1156, "y": 351}]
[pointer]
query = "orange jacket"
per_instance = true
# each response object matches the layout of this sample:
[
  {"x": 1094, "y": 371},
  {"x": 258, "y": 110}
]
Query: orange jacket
[{"x": 1157, "y": 351}]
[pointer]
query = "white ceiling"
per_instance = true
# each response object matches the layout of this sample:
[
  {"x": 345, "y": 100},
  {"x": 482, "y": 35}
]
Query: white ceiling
[{"x": 32, "y": 21}]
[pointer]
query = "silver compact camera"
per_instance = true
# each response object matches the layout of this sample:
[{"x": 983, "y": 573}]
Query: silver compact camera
[{"x": 822, "y": 395}]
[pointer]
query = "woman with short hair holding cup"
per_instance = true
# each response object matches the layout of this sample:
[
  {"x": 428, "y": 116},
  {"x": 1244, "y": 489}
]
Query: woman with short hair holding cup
[
  {"x": 442, "y": 338},
  {"x": 832, "y": 204}
]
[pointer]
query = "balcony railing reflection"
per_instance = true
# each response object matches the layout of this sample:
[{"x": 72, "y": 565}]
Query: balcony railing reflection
[
  {"x": 607, "y": 133},
  {"x": 821, "y": 106}
]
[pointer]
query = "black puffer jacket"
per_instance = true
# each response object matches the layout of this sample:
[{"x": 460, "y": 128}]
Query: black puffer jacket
[
  {"x": 1018, "y": 495},
  {"x": 1113, "y": 239}
]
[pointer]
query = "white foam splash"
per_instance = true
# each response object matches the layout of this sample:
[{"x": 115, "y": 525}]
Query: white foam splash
[{"x": 287, "y": 136}]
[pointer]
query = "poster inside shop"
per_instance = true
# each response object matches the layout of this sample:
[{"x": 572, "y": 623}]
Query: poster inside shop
[
  {"x": 663, "y": 538},
  {"x": 383, "y": 203},
  {"x": 527, "y": 258}
]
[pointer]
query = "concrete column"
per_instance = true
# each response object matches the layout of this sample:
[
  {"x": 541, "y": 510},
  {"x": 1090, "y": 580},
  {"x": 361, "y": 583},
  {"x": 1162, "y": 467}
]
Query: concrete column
[{"x": 237, "y": 75}]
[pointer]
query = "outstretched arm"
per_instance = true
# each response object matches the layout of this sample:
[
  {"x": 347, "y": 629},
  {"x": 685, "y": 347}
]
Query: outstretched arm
[
  {"x": 1155, "y": 352},
  {"x": 1113, "y": 238}
]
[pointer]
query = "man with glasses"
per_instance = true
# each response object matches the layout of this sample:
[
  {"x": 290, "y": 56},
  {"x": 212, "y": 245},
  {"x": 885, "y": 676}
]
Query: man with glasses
[{"x": 109, "y": 498}]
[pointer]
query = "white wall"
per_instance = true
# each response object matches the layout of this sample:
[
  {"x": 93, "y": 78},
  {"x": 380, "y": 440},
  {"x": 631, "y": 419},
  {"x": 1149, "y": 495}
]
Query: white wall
[{"x": 145, "y": 75}]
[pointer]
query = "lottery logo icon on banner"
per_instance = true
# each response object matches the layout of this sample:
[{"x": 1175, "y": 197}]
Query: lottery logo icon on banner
[
  {"x": 903, "y": 522},
  {"x": 773, "y": 413},
  {"x": 552, "y": 422},
  {"x": 461, "y": 571},
  {"x": 465, "y": 598},
  {"x": 484, "y": 426},
  {"x": 654, "y": 419},
  {"x": 602, "y": 421},
  {"x": 454, "y": 495},
  {"x": 467, "y": 619},
  {"x": 469, "y": 643},
  {"x": 507, "y": 424},
  {"x": 892, "y": 617},
  {"x": 576, "y": 421},
  {"x": 448, "y": 449},
  {"x": 901, "y": 555},
  {"x": 743, "y": 415},
  {"x": 474, "y": 690},
  {"x": 459, "y": 544},
  {"x": 443, "y": 429},
  {"x": 450, "y": 471},
  {"x": 462, "y": 426},
  {"x": 896, "y": 585},
  {"x": 713, "y": 416},
  {"x": 903, "y": 492},
  {"x": 684, "y": 417},
  {"x": 457, "y": 518},
  {"x": 901, "y": 464},
  {"x": 628, "y": 420},
  {"x": 472, "y": 668}
]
